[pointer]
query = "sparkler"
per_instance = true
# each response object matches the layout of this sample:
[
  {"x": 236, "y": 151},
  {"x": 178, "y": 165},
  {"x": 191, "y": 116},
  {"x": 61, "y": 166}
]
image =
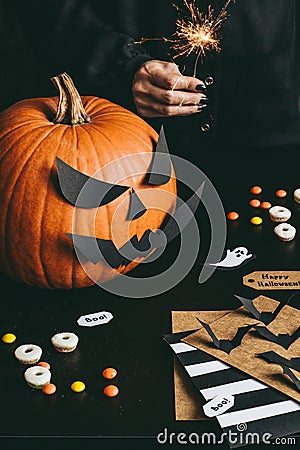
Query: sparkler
[{"x": 197, "y": 33}]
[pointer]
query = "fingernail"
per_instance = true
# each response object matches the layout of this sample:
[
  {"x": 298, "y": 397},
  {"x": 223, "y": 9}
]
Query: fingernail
[
  {"x": 203, "y": 101},
  {"x": 201, "y": 88},
  {"x": 200, "y": 107}
]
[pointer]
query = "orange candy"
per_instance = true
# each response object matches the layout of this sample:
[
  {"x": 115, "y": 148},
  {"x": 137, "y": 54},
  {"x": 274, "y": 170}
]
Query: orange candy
[
  {"x": 265, "y": 205},
  {"x": 109, "y": 373},
  {"x": 232, "y": 215},
  {"x": 111, "y": 390},
  {"x": 255, "y": 203},
  {"x": 256, "y": 190},
  {"x": 44, "y": 364},
  {"x": 281, "y": 193},
  {"x": 49, "y": 388}
]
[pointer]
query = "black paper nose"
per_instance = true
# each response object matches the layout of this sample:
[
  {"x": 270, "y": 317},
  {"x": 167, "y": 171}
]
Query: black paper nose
[{"x": 136, "y": 207}]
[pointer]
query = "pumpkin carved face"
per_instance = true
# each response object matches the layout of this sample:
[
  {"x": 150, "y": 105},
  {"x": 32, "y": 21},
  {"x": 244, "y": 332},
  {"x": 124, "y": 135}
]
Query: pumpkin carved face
[
  {"x": 120, "y": 247},
  {"x": 38, "y": 154}
]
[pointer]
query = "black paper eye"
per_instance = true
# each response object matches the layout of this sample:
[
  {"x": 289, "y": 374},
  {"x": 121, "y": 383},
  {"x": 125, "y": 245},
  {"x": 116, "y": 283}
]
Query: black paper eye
[
  {"x": 160, "y": 169},
  {"x": 96, "y": 193}
]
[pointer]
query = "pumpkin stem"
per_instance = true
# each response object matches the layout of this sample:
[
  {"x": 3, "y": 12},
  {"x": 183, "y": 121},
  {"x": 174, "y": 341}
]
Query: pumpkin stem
[{"x": 70, "y": 109}]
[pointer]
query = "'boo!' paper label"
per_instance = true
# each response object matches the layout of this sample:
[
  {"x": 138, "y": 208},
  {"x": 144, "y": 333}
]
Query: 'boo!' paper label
[
  {"x": 91, "y": 320},
  {"x": 218, "y": 405}
]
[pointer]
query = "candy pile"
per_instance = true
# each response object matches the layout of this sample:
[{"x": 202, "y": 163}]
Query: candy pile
[
  {"x": 109, "y": 391},
  {"x": 38, "y": 376},
  {"x": 284, "y": 230}
]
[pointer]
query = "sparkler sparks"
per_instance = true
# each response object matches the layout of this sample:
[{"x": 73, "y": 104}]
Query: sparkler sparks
[{"x": 197, "y": 33}]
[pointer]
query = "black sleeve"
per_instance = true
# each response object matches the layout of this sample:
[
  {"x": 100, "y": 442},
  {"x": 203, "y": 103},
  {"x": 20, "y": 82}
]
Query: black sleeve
[
  {"x": 297, "y": 48},
  {"x": 70, "y": 35}
]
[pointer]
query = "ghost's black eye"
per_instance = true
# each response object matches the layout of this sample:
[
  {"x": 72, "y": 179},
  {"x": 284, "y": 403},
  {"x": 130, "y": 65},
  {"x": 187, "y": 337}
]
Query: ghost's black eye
[
  {"x": 95, "y": 193},
  {"x": 160, "y": 168}
]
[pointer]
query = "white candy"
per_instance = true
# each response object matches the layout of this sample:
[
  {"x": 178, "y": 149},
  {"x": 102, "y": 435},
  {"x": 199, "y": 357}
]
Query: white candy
[
  {"x": 37, "y": 376},
  {"x": 65, "y": 342},
  {"x": 285, "y": 232},
  {"x": 297, "y": 195},
  {"x": 28, "y": 353},
  {"x": 279, "y": 214}
]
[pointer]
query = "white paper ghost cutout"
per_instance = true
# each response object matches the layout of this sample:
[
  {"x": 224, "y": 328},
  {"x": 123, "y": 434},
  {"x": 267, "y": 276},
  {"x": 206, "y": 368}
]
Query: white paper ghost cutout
[{"x": 233, "y": 258}]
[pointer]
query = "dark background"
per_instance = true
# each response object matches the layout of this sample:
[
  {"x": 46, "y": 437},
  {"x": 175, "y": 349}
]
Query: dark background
[{"x": 133, "y": 341}]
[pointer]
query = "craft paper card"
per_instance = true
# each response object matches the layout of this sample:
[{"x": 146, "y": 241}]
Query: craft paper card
[
  {"x": 244, "y": 357},
  {"x": 187, "y": 405},
  {"x": 273, "y": 280},
  {"x": 257, "y": 409}
]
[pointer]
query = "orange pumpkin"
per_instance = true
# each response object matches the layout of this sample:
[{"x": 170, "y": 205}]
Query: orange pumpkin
[{"x": 87, "y": 133}]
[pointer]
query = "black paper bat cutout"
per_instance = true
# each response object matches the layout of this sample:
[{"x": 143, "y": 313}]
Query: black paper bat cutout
[
  {"x": 282, "y": 339},
  {"x": 226, "y": 344},
  {"x": 265, "y": 317},
  {"x": 273, "y": 357},
  {"x": 287, "y": 371},
  {"x": 98, "y": 193},
  {"x": 95, "y": 249}
]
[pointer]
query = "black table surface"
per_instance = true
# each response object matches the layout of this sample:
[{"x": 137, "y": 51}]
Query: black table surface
[{"x": 133, "y": 341}]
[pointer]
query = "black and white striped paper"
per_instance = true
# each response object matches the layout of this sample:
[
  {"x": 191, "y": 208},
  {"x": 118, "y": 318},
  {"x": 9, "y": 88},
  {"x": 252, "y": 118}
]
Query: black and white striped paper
[{"x": 258, "y": 411}]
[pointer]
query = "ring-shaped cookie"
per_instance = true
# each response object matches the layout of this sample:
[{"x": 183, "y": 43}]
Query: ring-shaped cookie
[
  {"x": 279, "y": 214},
  {"x": 28, "y": 353},
  {"x": 37, "y": 376},
  {"x": 285, "y": 232},
  {"x": 297, "y": 195},
  {"x": 65, "y": 342}
]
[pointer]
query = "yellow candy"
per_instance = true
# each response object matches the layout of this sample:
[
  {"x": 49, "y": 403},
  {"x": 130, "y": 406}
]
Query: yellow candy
[
  {"x": 78, "y": 386},
  {"x": 9, "y": 338},
  {"x": 256, "y": 220}
]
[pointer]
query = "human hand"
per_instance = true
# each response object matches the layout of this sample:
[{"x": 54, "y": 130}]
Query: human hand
[{"x": 159, "y": 90}]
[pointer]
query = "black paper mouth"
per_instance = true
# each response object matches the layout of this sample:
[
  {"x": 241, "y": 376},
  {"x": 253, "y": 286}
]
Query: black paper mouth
[{"x": 96, "y": 249}]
